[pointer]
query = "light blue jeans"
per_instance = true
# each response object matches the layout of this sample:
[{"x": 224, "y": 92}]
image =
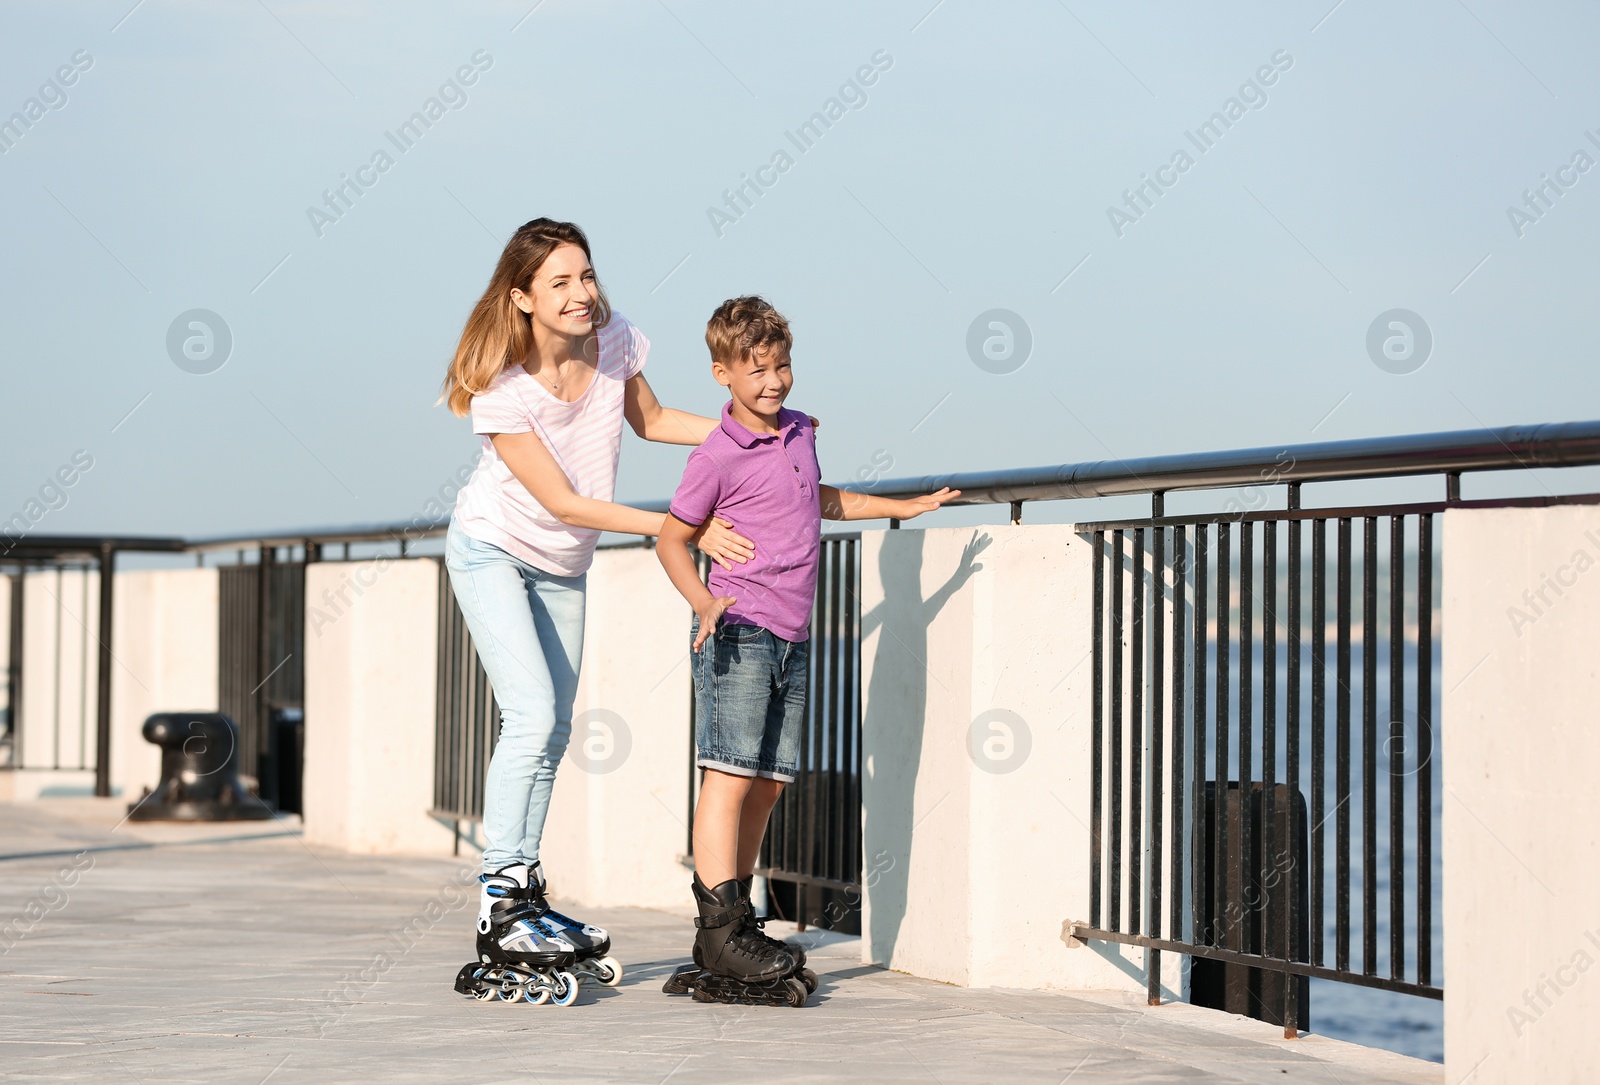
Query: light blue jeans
[{"x": 527, "y": 626}]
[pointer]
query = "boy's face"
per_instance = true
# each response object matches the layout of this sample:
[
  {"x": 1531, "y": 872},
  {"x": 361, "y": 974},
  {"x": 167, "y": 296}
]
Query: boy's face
[{"x": 760, "y": 382}]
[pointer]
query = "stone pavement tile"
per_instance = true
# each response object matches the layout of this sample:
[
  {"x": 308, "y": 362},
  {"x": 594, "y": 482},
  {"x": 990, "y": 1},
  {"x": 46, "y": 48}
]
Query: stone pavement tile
[{"x": 197, "y": 958}]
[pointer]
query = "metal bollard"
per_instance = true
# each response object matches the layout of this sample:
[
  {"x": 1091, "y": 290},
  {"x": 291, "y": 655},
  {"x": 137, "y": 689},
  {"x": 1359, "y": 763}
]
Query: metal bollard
[{"x": 199, "y": 771}]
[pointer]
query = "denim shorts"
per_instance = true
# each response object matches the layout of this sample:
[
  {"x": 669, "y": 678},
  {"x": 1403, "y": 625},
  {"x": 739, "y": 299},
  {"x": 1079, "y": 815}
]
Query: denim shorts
[{"x": 749, "y": 701}]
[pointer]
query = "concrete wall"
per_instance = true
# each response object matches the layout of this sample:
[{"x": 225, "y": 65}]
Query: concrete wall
[
  {"x": 618, "y": 819},
  {"x": 164, "y": 645},
  {"x": 1521, "y": 682},
  {"x": 5, "y": 656},
  {"x": 370, "y": 671},
  {"x": 164, "y": 657},
  {"x": 976, "y": 741},
  {"x": 618, "y": 827}
]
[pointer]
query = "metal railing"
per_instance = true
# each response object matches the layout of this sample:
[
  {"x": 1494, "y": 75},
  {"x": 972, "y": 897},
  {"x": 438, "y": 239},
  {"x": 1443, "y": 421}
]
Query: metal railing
[
  {"x": 467, "y": 719},
  {"x": 1216, "y": 853},
  {"x": 1506, "y": 448},
  {"x": 34, "y": 553},
  {"x": 1233, "y": 754},
  {"x": 261, "y": 651},
  {"x": 812, "y": 850},
  {"x": 1202, "y": 756},
  {"x": 813, "y": 841},
  {"x": 52, "y": 726}
]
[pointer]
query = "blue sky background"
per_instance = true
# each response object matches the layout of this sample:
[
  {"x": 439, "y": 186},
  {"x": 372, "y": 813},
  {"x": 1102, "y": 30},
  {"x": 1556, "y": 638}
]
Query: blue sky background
[{"x": 976, "y": 176}]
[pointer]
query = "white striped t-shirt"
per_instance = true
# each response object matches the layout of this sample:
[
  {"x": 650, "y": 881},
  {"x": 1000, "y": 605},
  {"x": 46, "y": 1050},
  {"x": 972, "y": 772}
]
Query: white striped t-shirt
[{"x": 584, "y": 436}]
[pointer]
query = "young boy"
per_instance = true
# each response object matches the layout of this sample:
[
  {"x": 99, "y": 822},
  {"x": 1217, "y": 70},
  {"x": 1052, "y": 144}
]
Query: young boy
[{"x": 759, "y": 471}]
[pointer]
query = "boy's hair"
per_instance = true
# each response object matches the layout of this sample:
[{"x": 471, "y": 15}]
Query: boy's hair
[{"x": 740, "y": 325}]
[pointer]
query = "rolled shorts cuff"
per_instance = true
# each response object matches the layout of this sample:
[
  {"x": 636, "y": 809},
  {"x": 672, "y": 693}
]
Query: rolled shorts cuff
[{"x": 735, "y": 766}]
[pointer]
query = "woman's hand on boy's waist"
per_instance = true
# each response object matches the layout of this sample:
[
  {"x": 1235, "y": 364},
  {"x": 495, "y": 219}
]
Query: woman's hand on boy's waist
[{"x": 717, "y": 540}]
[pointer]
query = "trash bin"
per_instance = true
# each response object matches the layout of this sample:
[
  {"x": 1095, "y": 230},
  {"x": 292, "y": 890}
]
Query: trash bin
[
  {"x": 1273, "y": 880},
  {"x": 281, "y": 765}
]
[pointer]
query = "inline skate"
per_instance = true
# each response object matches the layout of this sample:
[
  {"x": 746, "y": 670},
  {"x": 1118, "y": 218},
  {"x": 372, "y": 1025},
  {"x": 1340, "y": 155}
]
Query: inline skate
[
  {"x": 734, "y": 961},
  {"x": 591, "y": 944},
  {"x": 805, "y": 975},
  {"x": 520, "y": 957}
]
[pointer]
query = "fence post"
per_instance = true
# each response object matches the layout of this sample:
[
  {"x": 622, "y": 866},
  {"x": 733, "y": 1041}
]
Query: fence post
[{"x": 102, "y": 744}]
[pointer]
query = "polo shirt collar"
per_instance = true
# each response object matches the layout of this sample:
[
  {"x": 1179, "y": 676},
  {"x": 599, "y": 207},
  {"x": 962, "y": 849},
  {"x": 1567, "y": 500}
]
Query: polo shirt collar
[{"x": 745, "y": 438}]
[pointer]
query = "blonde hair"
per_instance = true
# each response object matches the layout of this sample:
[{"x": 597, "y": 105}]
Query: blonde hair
[
  {"x": 498, "y": 334},
  {"x": 740, "y": 325}
]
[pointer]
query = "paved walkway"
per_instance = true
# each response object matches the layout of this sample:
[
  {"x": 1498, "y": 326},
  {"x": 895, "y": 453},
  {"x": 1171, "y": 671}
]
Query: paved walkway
[{"x": 235, "y": 954}]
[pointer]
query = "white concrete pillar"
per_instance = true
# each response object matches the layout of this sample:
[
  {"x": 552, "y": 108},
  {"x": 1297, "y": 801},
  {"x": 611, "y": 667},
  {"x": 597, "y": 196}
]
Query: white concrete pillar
[
  {"x": 1520, "y": 684},
  {"x": 976, "y": 743},
  {"x": 619, "y": 821},
  {"x": 164, "y": 648},
  {"x": 60, "y": 661},
  {"x": 370, "y": 674},
  {"x": 5, "y": 660}
]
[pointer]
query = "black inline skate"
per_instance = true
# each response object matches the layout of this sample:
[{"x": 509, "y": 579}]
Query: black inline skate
[
  {"x": 734, "y": 961},
  {"x": 804, "y": 974},
  {"x": 591, "y": 944},
  {"x": 520, "y": 956}
]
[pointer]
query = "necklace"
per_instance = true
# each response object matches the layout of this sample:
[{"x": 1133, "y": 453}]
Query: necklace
[{"x": 554, "y": 383}]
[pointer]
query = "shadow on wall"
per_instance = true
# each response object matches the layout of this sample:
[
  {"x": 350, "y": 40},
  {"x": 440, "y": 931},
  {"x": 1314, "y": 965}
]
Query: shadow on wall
[{"x": 899, "y": 685}]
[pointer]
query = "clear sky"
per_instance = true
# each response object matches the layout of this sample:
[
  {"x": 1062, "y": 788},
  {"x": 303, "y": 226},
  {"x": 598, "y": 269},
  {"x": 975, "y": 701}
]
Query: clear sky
[{"x": 1367, "y": 162}]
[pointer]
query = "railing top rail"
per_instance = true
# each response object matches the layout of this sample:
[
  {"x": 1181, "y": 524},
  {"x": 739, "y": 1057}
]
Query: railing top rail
[
  {"x": 1504, "y": 448},
  {"x": 36, "y": 548},
  {"x": 1562, "y": 444}
]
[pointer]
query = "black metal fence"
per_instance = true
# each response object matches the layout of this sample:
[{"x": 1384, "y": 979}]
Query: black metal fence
[
  {"x": 260, "y": 653},
  {"x": 812, "y": 852},
  {"x": 62, "y": 720},
  {"x": 59, "y": 553},
  {"x": 811, "y": 855},
  {"x": 467, "y": 720},
  {"x": 1246, "y": 696},
  {"x": 1234, "y": 674},
  {"x": 14, "y": 648}
]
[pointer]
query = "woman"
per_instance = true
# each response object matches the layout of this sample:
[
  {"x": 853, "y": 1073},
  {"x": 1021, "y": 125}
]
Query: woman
[{"x": 548, "y": 374}]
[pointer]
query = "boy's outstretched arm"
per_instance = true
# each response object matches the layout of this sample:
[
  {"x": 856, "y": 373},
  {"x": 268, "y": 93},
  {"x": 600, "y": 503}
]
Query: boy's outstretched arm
[
  {"x": 840, "y": 504},
  {"x": 672, "y": 548}
]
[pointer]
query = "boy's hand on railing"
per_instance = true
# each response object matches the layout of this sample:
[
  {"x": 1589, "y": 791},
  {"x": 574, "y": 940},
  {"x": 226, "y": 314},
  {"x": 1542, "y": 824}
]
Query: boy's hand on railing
[
  {"x": 717, "y": 540},
  {"x": 711, "y": 612},
  {"x": 916, "y": 506}
]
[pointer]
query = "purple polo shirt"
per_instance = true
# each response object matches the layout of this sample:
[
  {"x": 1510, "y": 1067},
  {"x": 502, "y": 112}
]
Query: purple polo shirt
[{"x": 766, "y": 485}]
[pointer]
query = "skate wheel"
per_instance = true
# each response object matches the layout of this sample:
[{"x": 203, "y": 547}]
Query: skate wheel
[
  {"x": 566, "y": 989},
  {"x": 678, "y": 982},
  {"x": 535, "y": 994},
  {"x": 797, "y": 991},
  {"x": 484, "y": 994},
  {"x": 700, "y": 994},
  {"x": 467, "y": 979},
  {"x": 608, "y": 970}
]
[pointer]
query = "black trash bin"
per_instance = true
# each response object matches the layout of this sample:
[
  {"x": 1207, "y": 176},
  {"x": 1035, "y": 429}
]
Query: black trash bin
[
  {"x": 1258, "y": 905},
  {"x": 281, "y": 764}
]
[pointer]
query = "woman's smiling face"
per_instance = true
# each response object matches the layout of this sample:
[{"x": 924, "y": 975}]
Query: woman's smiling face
[{"x": 562, "y": 296}]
